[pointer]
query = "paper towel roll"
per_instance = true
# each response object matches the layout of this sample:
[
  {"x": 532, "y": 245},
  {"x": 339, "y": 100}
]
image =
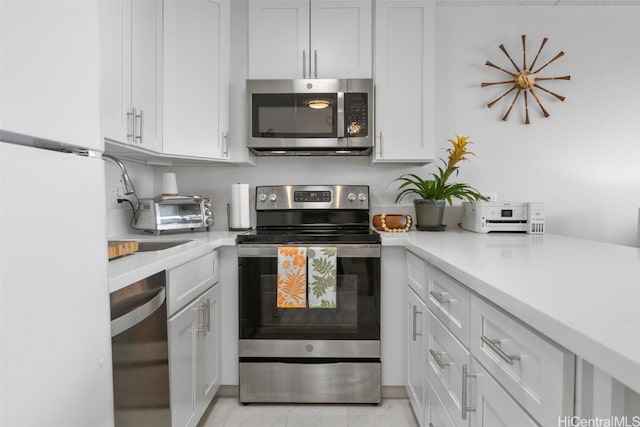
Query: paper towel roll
[
  {"x": 239, "y": 207},
  {"x": 169, "y": 184}
]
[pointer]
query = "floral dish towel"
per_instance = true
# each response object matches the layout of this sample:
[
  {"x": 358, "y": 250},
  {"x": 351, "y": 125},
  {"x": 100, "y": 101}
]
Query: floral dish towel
[
  {"x": 292, "y": 277},
  {"x": 322, "y": 277}
]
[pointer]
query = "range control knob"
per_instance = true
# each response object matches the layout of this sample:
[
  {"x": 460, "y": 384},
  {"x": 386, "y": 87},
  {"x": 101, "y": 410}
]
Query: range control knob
[
  {"x": 273, "y": 197},
  {"x": 209, "y": 221},
  {"x": 362, "y": 197},
  {"x": 262, "y": 197},
  {"x": 351, "y": 197},
  {"x": 207, "y": 212}
]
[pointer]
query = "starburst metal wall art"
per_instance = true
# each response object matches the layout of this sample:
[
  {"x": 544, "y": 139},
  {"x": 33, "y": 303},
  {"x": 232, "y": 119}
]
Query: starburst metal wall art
[{"x": 525, "y": 80}]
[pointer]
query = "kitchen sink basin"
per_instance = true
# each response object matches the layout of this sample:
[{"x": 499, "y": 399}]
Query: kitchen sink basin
[{"x": 148, "y": 246}]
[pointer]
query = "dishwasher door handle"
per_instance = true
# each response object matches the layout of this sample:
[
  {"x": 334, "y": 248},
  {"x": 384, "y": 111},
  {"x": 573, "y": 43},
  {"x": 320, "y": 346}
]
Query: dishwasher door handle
[{"x": 137, "y": 315}]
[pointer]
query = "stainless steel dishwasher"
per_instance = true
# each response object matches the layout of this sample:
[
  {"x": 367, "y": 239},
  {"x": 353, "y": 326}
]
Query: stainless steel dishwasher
[{"x": 140, "y": 354}]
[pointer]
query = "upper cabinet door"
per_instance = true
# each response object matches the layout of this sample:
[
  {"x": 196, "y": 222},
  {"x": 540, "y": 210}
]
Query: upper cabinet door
[
  {"x": 299, "y": 39},
  {"x": 146, "y": 73},
  {"x": 404, "y": 74},
  {"x": 50, "y": 71},
  {"x": 279, "y": 39},
  {"x": 115, "y": 48},
  {"x": 131, "y": 48},
  {"x": 341, "y": 33},
  {"x": 196, "y": 78}
]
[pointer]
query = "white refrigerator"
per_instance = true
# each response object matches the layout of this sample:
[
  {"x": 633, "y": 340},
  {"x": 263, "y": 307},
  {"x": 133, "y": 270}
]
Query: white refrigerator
[
  {"x": 55, "y": 349},
  {"x": 55, "y": 342}
]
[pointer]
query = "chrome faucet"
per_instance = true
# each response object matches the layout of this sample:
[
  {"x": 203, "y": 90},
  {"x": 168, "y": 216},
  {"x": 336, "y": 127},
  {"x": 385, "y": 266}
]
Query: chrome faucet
[{"x": 128, "y": 184}]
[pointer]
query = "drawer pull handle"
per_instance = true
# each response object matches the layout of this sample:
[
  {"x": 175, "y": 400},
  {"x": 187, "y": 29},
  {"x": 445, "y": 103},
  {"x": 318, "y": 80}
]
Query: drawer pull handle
[
  {"x": 436, "y": 357},
  {"x": 439, "y": 296},
  {"x": 465, "y": 397},
  {"x": 494, "y": 345}
]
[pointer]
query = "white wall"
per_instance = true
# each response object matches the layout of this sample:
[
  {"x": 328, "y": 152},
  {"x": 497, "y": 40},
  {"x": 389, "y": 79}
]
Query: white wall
[{"x": 580, "y": 161}]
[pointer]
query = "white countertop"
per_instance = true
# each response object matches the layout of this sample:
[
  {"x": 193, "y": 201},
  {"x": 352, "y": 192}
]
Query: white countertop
[
  {"x": 584, "y": 295},
  {"x": 130, "y": 268}
]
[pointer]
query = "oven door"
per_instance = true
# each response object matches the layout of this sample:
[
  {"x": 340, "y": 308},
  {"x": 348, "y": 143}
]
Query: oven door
[{"x": 351, "y": 329}]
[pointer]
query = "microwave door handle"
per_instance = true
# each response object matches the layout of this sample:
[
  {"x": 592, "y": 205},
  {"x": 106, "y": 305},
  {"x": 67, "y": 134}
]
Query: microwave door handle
[{"x": 340, "y": 115}]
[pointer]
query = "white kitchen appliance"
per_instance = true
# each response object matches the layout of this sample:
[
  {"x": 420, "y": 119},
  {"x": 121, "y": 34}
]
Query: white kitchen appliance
[
  {"x": 55, "y": 337},
  {"x": 486, "y": 217}
]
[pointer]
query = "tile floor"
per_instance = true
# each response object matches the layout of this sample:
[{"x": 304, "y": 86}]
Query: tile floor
[{"x": 228, "y": 412}]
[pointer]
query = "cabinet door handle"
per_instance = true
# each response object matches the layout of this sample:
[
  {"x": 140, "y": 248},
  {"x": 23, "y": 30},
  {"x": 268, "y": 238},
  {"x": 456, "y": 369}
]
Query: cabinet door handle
[
  {"x": 439, "y": 296},
  {"x": 415, "y": 315},
  {"x": 139, "y": 119},
  {"x": 315, "y": 63},
  {"x": 225, "y": 144},
  {"x": 208, "y": 313},
  {"x": 494, "y": 345},
  {"x": 465, "y": 397},
  {"x": 436, "y": 357},
  {"x": 380, "y": 146},
  {"x": 131, "y": 131},
  {"x": 201, "y": 315},
  {"x": 304, "y": 64}
]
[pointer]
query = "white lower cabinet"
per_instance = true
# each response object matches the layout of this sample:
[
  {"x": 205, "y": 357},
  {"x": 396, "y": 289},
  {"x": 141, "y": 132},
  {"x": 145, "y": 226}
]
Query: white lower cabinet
[
  {"x": 194, "y": 349},
  {"x": 416, "y": 311},
  {"x": 194, "y": 333},
  {"x": 481, "y": 366}
]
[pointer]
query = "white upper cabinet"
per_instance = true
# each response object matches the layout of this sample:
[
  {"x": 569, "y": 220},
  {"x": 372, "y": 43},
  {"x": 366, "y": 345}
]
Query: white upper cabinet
[
  {"x": 196, "y": 78},
  {"x": 404, "y": 76},
  {"x": 131, "y": 45},
  {"x": 310, "y": 39},
  {"x": 50, "y": 71}
]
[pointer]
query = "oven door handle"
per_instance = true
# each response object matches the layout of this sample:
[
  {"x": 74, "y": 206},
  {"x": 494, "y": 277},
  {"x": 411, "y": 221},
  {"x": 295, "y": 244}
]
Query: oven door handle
[{"x": 343, "y": 250}]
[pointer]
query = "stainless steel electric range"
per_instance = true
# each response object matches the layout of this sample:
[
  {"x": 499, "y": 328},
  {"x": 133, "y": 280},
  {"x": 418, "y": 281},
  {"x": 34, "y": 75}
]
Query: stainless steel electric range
[{"x": 310, "y": 352}]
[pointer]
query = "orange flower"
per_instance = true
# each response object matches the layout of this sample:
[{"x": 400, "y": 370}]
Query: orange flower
[
  {"x": 286, "y": 265},
  {"x": 288, "y": 250},
  {"x": 299, "y": 260}
]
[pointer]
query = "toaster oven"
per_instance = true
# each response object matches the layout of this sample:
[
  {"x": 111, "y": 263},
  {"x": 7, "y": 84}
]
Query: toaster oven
[{"x": 173, "y": 213}]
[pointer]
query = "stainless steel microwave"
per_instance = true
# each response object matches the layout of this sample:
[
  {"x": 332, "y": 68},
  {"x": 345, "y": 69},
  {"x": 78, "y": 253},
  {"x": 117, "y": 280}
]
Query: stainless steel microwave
[{"x": 310, "y": 117}]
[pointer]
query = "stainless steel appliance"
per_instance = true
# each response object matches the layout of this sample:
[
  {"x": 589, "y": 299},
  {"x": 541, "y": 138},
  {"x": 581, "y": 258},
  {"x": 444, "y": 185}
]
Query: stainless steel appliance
[
  {"x": 173, "y": 213},
  {"x": 486, "y": 217},
  {"x": 140, "y": 354},
  {"x": 310, "y": 354},
  {"x": 310, "y": 117}
]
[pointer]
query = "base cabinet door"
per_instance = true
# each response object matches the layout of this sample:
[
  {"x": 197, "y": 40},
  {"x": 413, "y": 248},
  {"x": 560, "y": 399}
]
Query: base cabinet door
[
  {"x": 416, "y": 312},
  {"x": 194, "y": 349},
  {"x": 208, "y": 350},
  {"x": 489, "y": 405}
]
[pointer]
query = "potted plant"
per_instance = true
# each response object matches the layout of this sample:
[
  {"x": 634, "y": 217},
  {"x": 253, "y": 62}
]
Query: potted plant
[{"x": 431, "y": 194}]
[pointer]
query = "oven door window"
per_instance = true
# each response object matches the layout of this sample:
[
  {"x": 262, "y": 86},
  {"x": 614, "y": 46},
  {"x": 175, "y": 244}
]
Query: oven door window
[
  {"x": 294, "y": 115},
  {"x": 356, "y": 316}
]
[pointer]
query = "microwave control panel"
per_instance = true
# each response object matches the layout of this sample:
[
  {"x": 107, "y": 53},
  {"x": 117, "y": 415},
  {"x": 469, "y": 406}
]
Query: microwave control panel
[{"x": 355, "y": 114}]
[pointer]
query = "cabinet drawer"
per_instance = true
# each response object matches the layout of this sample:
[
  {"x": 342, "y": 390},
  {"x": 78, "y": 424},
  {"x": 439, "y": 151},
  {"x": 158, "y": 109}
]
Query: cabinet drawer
[
  {"x": 449, "y": 301},
  {"x": 417, "y": 274},
  {"x": 186, "y": 282},
  {"x": 538, "y": 373},
  {"x": 445, "y": 357},
  {"x": 435, "y": 415}
]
